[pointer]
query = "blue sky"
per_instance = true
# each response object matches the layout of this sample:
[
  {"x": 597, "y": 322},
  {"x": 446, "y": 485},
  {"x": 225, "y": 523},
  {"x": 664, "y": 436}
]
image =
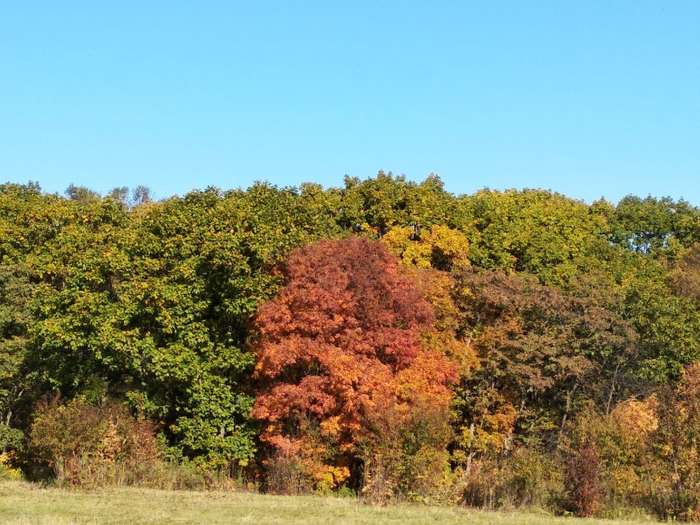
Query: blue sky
[{"x": 591, "y": 98}]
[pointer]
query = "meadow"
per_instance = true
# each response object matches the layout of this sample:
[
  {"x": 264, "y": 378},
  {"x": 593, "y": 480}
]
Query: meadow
[{"x": 25, "y": 503}]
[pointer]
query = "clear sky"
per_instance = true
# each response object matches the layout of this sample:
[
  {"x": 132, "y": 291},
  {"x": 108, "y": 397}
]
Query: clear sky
[{"x": 589, "y": 98}]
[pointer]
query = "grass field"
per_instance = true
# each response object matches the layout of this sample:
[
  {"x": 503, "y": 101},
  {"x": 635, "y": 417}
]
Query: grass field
[{"x": 23, "y": 503}]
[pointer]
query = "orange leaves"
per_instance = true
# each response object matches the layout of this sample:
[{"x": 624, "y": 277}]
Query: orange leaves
[
  {"x": 637, "y": 419},
  {"x": 344, "y": 339}
]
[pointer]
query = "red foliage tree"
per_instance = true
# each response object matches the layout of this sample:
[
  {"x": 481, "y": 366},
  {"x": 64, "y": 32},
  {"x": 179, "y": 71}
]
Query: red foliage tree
[
  {"x": 583, "y": 471},
  {"x": 340, "y": 345}
]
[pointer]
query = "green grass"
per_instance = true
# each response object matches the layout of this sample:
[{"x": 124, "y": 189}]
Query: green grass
[{"x": 24, "y": 503}]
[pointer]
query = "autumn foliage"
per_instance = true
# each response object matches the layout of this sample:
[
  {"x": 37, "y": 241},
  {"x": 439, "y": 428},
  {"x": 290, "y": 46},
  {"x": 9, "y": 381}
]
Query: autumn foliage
[
  {"x": 85, "y": 445},
  {"x": 499, "y": 349},
  {"x": 340, "y": 351}
]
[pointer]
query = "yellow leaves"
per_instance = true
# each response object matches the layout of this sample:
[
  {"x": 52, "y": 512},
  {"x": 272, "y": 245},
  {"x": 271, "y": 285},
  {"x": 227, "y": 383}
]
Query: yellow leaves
[
  {"x": 436, "y": 287},
  {"x": 111, "y": 441},
  {"x": 397, "y": 240},
  {"x": 331, "y": 477},
  {"x": 451, "y": 245},
  {"x": 331, "y": 427},
  {"x": 625, "y": 480},
  {"x": 637, "y": 419},
  {"x": 6, "y": 470},
  {"x": 461, "y": 353},
  {"x": 439, "y": 247},
  {"x": 492, "y": 434}
]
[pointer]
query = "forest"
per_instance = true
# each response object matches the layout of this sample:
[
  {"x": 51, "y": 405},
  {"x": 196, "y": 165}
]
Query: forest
[{"x": 386, "y": 339}]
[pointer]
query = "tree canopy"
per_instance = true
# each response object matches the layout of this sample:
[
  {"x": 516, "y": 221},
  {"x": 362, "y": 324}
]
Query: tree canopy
[{"x": 357, "y": 327}]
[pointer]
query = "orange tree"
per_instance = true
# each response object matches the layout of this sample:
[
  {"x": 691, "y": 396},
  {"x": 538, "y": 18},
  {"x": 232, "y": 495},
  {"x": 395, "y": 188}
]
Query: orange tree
[{"x": 340, "y": 358}]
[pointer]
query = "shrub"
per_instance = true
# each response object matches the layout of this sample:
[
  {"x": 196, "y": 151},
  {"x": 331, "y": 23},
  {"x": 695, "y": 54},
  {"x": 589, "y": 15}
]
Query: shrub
[
  {"x": 285, "y": 474},
  {"x": 404, "y": 455},
  {"x": 609, "y": 459},
  {"x": 526, "y": 477},
  {"x": 10, "y": 438},
  {"x": 676, "y": 472},
  {"x": 583, "y": 473},
  {"x": 7, "y": 470},
  {"x": 85, "y": 445}
]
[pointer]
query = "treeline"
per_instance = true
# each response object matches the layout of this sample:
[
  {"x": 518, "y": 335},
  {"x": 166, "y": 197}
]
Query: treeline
[{"x": 388, "y": 338}]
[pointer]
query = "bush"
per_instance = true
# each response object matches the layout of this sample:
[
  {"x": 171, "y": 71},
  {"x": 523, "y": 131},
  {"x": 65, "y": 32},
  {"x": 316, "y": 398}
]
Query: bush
[
  {"x": 676, "y": 472},
  {"x": 7, "y": 471},
  {"x": 311, "y": 464},
  {"x": 404, "y": 456},
  {"x": 526, "y": 477},
  {"x": 10, "y": 438},
  {"x": 85, "y": 445},
  {"x": 287, "y": 475},
  {"x": 583, "y": 480}
]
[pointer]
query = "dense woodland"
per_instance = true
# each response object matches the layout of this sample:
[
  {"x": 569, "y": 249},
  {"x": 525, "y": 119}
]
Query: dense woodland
[{"x": 387, "y": 338}]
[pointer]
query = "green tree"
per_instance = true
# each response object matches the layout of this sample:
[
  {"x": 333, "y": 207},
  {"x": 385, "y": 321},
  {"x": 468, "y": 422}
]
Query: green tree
[
  {"x": 153, "y": 305},
  {"x": 654, "y": 225},
  {"x": 533, "y": 231}
]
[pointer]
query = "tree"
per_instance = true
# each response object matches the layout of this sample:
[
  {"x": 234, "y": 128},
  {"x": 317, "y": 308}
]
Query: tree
[
  {"x": 24, "y": 213},
  {"x": 437, "y": 247},
  {"x": 378, "y": 204},
  {"x": 337, "y": 348},
  {"x": 119, "y": 194},
  {"x": 655, "y": 226},
  {"x": 666, "y": 318},
  {"x": 140, "y": 195},
  {"x": 541, "y": 353},
  {"x": 152, "y": 305},
  {"x": 685, "y": 276},
  {"x": 81, "y": 193},
  {"x": 539, "y": 232},
  {"x": 677, "y": 442}
]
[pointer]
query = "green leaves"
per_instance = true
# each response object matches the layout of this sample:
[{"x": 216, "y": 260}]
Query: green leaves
[{"x": 151, "y": 302}]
